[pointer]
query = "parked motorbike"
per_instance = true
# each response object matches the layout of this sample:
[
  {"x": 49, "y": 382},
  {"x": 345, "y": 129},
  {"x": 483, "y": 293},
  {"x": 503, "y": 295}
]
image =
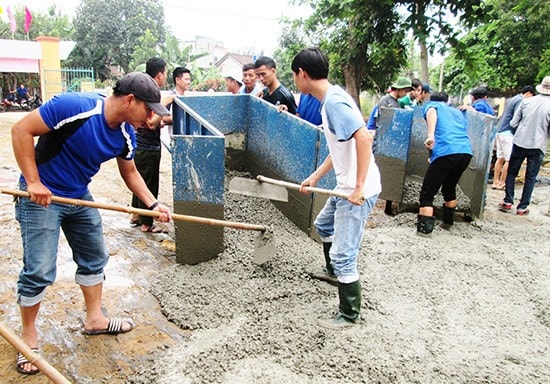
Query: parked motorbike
[
  {"x": 35, "y": 102},
  {"x": 11, "y": 104}
]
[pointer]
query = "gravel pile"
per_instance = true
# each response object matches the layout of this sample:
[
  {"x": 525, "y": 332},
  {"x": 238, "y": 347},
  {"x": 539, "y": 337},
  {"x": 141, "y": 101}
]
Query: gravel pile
[{"x": 458, "y": 308}]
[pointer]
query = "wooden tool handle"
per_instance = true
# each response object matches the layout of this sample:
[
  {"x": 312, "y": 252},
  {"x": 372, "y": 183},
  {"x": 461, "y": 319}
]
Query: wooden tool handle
[
  {"x": 289, "y": 185},
  {"x": 144, "y": 212},
  {"x": 34, "y": 358}
]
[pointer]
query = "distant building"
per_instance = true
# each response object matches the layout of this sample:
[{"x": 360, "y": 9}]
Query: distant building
[
  {"x": 203, "y": 44},
  {"x": 232, "y": 63}
]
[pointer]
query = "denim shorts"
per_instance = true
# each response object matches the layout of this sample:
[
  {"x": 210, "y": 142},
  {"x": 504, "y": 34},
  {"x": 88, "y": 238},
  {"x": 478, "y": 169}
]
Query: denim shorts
[
  {"x": 40, "y": 230},
  {"x": 343, "y": 224}
]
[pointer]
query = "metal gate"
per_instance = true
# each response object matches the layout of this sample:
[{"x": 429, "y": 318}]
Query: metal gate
[{"x": 61, "y": 80}]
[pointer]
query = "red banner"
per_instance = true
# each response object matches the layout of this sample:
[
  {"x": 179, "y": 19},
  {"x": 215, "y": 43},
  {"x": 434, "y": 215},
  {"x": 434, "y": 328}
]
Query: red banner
[{"x": 28, "y": 20}]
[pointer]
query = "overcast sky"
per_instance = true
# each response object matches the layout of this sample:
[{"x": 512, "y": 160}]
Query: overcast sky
[{"x": 239, "y": 24}]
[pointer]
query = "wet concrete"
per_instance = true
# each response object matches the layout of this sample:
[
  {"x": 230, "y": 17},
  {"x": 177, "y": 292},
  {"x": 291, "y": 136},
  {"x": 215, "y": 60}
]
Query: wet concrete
[{"x": 469, "y": 305}]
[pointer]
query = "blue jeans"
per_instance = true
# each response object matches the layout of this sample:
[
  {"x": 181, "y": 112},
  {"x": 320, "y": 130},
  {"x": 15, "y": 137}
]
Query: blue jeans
[
  {"x": 534, "y": 161},
  {"x": 343, "y": 224},
  {"x": 40, "y": 230}
]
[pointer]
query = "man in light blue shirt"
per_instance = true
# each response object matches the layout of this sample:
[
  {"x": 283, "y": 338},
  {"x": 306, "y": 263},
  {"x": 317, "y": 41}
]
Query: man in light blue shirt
[
  {"x": 505, "y": 137},
  {"x": 341, "y": 222},
  {"x": 532, "y": 123}
]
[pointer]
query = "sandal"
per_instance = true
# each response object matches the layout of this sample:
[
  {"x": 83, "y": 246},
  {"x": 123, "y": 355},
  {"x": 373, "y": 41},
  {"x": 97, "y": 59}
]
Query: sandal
[
  {"x": 114, "y": 327},
  {"x": 22, "y": 360},
  {"x": 155, "y": 229}
]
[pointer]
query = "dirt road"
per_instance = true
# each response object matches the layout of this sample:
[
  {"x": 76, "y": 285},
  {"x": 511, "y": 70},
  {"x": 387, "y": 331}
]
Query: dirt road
[{"x": 136, "y": 258}]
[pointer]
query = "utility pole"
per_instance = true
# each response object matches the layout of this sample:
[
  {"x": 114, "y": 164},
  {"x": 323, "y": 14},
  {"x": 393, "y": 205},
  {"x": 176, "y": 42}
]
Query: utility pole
[{"x": 441, "y": 75}]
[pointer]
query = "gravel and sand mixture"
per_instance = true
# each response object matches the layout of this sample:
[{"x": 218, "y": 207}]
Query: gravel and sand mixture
[{"x": 470, "y": 305}]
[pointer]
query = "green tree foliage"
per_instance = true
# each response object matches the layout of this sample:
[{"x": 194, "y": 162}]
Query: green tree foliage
[
  {"x": 51, "y": 23},
  {"x": 544, "y": 69},
  {"x": 509, "y": 50},
  {"x": 146, "y": 49},
  {"x": 291, "y": 41},
  {"x": 433, "y": 24},
  {"x": 363, "y": 39},
  {"x": 109, "y": 32}
]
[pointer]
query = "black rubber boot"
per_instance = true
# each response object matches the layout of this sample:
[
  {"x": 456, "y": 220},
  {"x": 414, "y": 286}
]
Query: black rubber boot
[
  {"x": 326, "y": 251},
  {"x": 425, "y": 225},
  {"x": 349, "y": 308},
  {"x": 388, "y": 209},
  {"x": 327, "y": 273},
  {"x": 448, "y": 217}
]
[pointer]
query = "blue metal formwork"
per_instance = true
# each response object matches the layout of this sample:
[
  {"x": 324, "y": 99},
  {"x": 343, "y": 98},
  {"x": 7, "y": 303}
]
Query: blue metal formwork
[
  {"x": 283, "y": 146},
  {"x": 392, "y": 150},
  {"x": 277, "y": 145},
  {"x": 286, "y": 144},
  {"x": 198, "y": 169},
  {"x": 473, "y": 183},
  {"x": 481, "y": 131},
  {"x": 227, "y": 113}
]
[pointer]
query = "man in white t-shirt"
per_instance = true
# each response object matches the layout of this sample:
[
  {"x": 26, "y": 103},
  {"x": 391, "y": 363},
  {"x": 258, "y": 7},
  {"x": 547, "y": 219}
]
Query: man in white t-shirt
[{"x": 341, "y": 222}]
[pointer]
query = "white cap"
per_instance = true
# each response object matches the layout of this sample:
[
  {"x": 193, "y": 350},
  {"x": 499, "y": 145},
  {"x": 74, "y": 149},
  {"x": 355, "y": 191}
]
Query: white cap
[{"x": 234, "y": 76}]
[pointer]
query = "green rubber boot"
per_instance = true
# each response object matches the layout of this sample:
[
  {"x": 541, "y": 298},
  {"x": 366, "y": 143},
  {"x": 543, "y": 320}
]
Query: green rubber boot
[
  {"x": 326, "y": 251},
  {"x": 349, "y": 308},
  {"x": 327, "y": 273}
]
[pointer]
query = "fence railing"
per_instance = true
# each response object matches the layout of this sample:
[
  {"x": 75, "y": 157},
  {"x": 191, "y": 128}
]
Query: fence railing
[{"x": 68, "y": 80}]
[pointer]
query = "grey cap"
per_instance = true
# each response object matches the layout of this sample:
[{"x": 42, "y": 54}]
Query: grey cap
[{"x": 142, "y": 86}]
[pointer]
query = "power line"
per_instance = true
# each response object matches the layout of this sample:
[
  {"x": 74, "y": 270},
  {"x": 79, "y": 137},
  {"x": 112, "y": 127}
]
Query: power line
[{"x": 218, "y": 12}]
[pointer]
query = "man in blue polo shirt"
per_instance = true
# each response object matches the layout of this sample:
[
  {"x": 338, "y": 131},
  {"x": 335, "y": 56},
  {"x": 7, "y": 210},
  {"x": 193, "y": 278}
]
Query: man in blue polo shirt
[
  {"x": 76, "y": 133},
  {"x": 479, "y": 102}
]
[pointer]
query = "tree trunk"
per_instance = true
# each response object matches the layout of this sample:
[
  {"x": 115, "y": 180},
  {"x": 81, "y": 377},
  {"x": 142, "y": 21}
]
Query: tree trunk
[
  {"x": 353, "y": 82},
  {"x": 425, "y": 75}
]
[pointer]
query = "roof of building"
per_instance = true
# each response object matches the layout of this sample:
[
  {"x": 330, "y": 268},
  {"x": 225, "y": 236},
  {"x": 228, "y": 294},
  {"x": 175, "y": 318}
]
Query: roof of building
[{"x": 241, "y": 59}]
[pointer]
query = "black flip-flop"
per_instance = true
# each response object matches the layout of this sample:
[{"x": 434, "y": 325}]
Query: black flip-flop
[
  {"x": 21, "y": 360},
  {"x": 114, "y": 327}
]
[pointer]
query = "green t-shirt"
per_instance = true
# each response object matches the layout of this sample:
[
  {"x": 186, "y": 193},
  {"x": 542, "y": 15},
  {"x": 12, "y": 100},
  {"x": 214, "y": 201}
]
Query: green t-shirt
[{"x": 406, "y": 101}]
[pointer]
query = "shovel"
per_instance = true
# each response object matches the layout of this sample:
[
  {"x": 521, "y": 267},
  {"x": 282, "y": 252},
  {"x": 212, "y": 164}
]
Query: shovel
[
  {"x": 264, "y": 247},
  {"x": 273, "y": 189}
]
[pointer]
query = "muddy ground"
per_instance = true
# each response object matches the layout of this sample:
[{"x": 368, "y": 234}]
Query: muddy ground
[{"x": 470, "y": 305}]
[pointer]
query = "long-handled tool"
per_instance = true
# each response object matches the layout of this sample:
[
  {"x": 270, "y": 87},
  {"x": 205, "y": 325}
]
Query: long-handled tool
[
  {"x": 33, "y": 357},
  {"x": 273, "y": 189},
  {"x": 264, "y": 243}
]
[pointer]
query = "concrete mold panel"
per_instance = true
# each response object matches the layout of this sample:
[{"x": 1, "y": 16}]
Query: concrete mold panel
[
  {"x": 282, "y": 146},
  {"x": 417, "y": 163},
  {"x": 392, "y": 150},
  {"x": 198, "y": 169},
  {"x": 195, "y": 242},
  {"x": 482, "y": 132},
  {"x": 284, "y": 143},
  {"x": 473, "y": 183},
  {"x": 227, "y": 113}
]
